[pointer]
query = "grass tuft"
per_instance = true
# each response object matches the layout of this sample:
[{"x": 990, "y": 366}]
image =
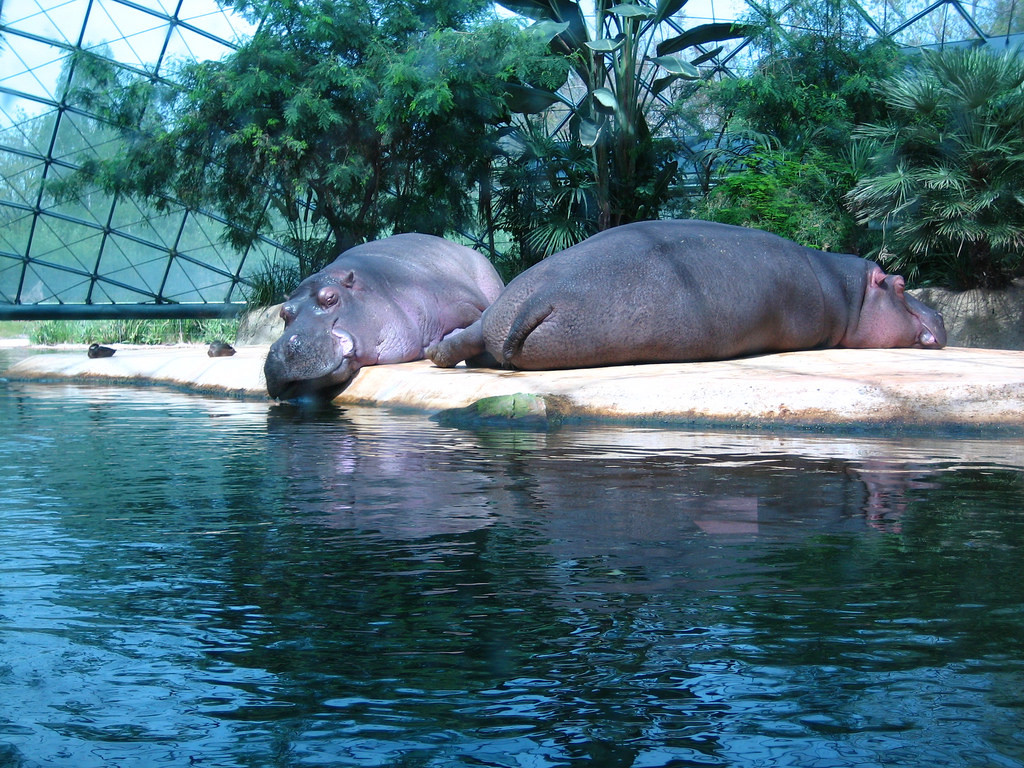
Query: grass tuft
[{"x": 131, "y": 331}]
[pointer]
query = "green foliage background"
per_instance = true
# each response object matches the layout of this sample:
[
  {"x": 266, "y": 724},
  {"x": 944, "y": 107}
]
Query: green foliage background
[
  {"x": 343, "y": 121},
  {"x": 945, "y": 172},
  {"x": 796, "y": 114}
]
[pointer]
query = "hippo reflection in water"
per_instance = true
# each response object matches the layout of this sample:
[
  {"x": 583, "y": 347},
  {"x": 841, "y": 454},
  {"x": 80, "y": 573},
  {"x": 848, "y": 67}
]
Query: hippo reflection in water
[
  {"x": 377, "y": 303},
  {"x": 676, "y": 291}
]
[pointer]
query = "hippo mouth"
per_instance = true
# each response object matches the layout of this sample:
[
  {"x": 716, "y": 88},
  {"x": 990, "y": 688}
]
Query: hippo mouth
[
  {"x": 306, "y": 390},
  {"x": 304, "y": 366},
  {"x": 285, "y": 383},
  {"x": 322, "y": 388},
  {"x": 928, "y": 340},
  {"x": 933, "y": 330}
]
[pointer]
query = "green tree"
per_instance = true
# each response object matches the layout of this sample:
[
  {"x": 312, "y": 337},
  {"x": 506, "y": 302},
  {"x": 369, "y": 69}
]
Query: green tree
[
  {"x": 796, "y": 197},
  {"x": 615, "y": 104},
  {"x": 346, "y": 120},
  {"x": 782, "y": 134},
  {"x": 946, "y": 180},
  {"x": 544, "y": 193},
  {"x": 809, "y": 90}
]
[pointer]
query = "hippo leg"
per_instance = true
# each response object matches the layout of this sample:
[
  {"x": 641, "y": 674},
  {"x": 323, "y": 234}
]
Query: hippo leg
[
  {"x": 458, "y": 346},
  {"x": 484, "y": 360}
]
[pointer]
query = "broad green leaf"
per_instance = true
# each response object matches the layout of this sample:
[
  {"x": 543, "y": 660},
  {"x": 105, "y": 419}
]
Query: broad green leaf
[
  {"x": 678, "y": 66},
  {"x": 705, "y": 33},
  {"x": 605, "y": 45},
  {"x": 631, "y": 11},
  {"x": 547, "y": 29},
  {"x": 559, "y": 11},
  {"x": 605, "y": 98},
  {"x": 589, "y": 133},
  {"x": 529, "y": 101},
  {"x": 708, "y": 56},
  {"x": 668, "y": 8},
  {"x": 661, "y": 83}
]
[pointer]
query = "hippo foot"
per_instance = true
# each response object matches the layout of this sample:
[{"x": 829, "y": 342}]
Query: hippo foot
[
  {"x": 483, "y": 360},
  {"x": 442, "y": 355}
]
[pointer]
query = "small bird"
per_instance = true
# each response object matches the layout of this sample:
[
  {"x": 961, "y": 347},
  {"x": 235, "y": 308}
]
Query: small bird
[
  {"x": 95, "y": 350},
  {"x": 220, "y": 349}
]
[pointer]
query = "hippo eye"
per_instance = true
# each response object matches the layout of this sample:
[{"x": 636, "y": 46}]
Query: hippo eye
[{"x": 327, "y": 296}]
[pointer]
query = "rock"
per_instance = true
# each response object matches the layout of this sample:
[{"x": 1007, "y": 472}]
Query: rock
[
  {"x": 260, "y": 326},
  {"x": 520, "y": 410}
]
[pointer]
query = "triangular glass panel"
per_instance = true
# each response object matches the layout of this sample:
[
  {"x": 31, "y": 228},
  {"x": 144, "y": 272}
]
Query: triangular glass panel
[
  {"x": 125, "y": 34},
  {"x": 31, "y": 67},
  {"x": 132, "y": 263},
  {"x": 210, "y": 17},
  {"x": 65, "y": 243},
  {"x": 59, "y": 20}
]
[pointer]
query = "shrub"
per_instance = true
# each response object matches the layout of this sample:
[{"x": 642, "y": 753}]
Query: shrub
[
  {"x": 946, "y": 179},
  {"x": 798, "y": 198}
]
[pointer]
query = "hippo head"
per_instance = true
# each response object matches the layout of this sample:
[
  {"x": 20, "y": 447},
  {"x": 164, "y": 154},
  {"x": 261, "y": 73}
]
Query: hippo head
[
  {"x": 317, "y": 353},
  {"x": 890, "y": 318}
]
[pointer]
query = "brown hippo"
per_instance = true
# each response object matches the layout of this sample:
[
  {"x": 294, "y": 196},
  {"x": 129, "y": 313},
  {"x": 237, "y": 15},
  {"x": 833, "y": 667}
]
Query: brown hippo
[
  {"x": 381, "y": 302},
  {"x": 676, "y": 291}
]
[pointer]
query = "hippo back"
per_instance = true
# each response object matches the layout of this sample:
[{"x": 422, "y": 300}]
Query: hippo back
[{"x": 663, "y": 291}]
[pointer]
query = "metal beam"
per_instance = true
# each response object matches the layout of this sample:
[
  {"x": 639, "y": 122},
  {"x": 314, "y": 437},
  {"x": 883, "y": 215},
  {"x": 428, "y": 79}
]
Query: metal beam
[{"x": 119, "y": 311}]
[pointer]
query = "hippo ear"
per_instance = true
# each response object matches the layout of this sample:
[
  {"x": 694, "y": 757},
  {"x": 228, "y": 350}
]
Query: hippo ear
[
  {"x": 875, "y": 277},
  {"x": 348, "y": 280}
]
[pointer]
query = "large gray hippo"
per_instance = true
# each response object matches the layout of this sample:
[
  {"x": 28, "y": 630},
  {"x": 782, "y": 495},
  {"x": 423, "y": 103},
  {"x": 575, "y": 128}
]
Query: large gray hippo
[
  {"x": 676, "y": 291},
  {"x": 377, "y": 303}
]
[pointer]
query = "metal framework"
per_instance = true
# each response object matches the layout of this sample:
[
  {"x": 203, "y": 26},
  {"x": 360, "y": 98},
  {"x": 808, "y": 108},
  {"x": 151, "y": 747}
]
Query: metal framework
[
  {"x": 114, "y": 257},
  {"x": 102, "y": 256}
]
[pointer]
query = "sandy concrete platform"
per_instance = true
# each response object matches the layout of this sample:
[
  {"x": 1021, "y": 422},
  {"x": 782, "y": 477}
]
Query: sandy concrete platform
[{"x": 953, "y": 387}]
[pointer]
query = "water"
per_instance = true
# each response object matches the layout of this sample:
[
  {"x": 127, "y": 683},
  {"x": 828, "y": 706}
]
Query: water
[{"x": 195, "y": 581}]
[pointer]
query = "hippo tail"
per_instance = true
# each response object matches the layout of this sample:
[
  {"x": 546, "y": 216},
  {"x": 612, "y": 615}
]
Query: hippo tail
[{"x": 522, "y": 326}]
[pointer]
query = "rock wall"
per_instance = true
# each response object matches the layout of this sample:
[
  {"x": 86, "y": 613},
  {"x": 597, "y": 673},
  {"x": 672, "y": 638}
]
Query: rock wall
[{"x": 261, "y": 326}]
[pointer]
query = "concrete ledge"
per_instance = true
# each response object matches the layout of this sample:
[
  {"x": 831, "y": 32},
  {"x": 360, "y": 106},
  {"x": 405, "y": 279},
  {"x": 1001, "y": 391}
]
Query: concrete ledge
[
  {"x": 837, "y": 388},
  {"x": 186, "y": 366}
]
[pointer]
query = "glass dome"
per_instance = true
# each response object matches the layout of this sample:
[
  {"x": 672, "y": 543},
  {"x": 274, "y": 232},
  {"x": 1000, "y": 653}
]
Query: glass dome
[
  {"x": 100, "y": 256},
  {"x": 104, "y": 256}
]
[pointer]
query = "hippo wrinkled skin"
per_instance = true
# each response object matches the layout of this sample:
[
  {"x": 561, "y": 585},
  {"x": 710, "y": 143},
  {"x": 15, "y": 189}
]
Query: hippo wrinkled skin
[
  {"x": 381, "y": 302},
  {"x": 677, "y": 291}
]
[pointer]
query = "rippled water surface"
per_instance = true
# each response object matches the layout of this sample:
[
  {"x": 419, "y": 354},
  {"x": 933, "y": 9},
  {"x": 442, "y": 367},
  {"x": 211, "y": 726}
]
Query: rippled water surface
[{"x": 194, "y": 581}]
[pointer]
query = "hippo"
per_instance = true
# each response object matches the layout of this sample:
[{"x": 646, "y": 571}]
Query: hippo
[
  {"x": 679, "y": 291},
  {"x": 380, "y": 302}
]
